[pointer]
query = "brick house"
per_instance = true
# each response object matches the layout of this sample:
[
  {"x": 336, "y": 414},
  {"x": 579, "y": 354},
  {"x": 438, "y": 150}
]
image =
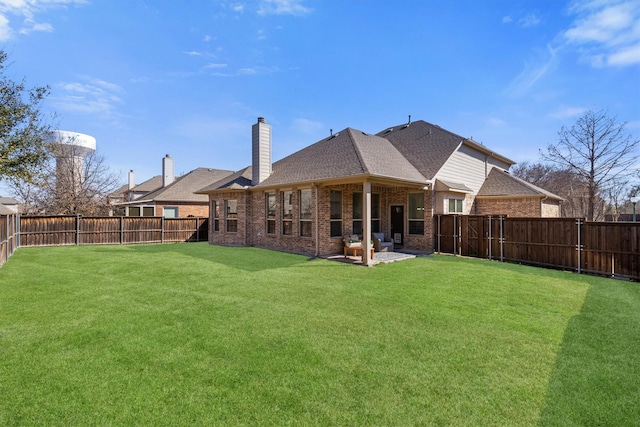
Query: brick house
[
  {"x": 166, "y": 195},
  {"x": 352, "y": 182}
]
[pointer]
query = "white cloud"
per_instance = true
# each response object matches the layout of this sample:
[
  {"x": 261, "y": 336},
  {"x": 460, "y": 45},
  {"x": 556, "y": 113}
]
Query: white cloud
[
  {"x": 88, "y": 96},
  {"x": 306, "y": 126},
  {"x": 28, "y": 10},
  {"x": 566, "y": 112},
  {"x": 5, "y": 29},
  {"x": 283, "y": 7},
  {"x": 214, "y": 65},
  {"x": 625, "y": 56},
  {"x": 531, "y": 20},
  {"x": 496, "y": 122},
  {"x": 507, "y": 19},
  {"x": 607, "y": 31},
  {"x": 533, "y": 71}
]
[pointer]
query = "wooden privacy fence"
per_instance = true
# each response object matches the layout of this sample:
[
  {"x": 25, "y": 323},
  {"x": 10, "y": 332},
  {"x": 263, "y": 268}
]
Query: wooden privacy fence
[
  {"x": 9, "y": 239},
  {"x": 605, "y": 248},
  {"x": 81, "y": 230}
]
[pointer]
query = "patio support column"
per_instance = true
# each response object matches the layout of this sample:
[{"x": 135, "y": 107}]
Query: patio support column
[{"x": 366, "y": 223}]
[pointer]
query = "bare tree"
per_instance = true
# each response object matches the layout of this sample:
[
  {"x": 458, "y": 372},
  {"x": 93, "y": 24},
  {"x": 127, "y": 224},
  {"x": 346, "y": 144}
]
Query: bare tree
[
  {"x": 561, "y": 181},
  {"x": 22, "y": 128},
  {"x": 69, "y": 187},
  {"x": 598, "y": 150}
]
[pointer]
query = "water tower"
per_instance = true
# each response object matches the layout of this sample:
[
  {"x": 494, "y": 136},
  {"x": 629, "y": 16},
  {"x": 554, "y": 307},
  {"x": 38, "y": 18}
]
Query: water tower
[{"x": 70, "y": 149}]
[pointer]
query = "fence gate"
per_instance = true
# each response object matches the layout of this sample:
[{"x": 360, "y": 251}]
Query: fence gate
[{"x": 472, "y": 236}]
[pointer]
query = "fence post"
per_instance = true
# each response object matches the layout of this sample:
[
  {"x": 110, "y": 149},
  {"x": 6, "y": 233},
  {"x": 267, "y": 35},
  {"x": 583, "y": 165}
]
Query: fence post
[
  {"x": 162, "y": 229},
  {"x": 17, "y": 231},
  {"x": 121, "y": 230},
  {"x": 455, "y": 234},
  {"x": 197, "y": 229},
  {"x": 7, "y": 220},
  {"x": 77, "y": 230},
  {"x": 490, "y": 238},
  {"x": 579, "y": 248},
  {"x": 439, "y": 233},
  {"x": 501, "y": 238}
]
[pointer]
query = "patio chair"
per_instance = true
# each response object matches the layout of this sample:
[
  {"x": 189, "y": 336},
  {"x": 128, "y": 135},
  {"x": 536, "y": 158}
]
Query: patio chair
[{"x": 380, "y": 244}]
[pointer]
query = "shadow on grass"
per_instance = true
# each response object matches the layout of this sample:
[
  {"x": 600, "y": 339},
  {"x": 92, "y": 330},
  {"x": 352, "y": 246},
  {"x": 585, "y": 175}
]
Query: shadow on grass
[
  {"x": 241, "y": 258},
  {"x": 596, "y": 380}
]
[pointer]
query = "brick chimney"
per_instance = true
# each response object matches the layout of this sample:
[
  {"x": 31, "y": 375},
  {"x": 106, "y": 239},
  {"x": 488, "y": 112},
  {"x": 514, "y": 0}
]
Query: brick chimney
[
  {"x": 261, "y": 151},
  {"x": 168, "y": 170}
]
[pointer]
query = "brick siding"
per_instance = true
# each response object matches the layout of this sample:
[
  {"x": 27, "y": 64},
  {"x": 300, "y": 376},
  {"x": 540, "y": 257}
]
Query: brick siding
[
  {"x": 517, "y": 207},
  {"x": 185, "y": 209},
  {"x": 252, "y": 213}
]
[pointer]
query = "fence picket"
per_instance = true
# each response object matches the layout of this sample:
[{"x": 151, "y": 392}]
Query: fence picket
[{"x": 605, "y": 248}]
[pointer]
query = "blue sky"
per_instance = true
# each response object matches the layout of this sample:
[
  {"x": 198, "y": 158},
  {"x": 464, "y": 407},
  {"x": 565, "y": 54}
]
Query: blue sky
[{"x": 153, "y": 77}]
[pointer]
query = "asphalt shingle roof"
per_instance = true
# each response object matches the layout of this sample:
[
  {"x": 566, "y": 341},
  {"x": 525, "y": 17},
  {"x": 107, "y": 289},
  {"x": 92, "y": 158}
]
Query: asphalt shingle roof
[
  {"x": 426, "y": 146},
  {"x": 501, "y": 183},
  {"x": 184, "y": 188},
  {"x": 236, "y": 181},
  {"x": 149, "y": 185},
  {"x": 348, "y": 153}
]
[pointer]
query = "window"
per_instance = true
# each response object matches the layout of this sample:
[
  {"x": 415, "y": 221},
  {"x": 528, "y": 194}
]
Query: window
[
  {"x": 455, "y": 206},
  {"x": 416, "y": 213},
  {"x": 271, "y": 213},
  {"x": 305, "y": 213},
  {"x": 357, "y": 213},
  {"x": 170, "y": 212},
  {"x": 232, "y": 216},
  {"x": 375, "y": 213},
  {"x": 336, "y": 213},
  {"x": 215, "y": 208},
  {"x": 287, "y": 213},
  {"x": 356, "y": 225},
  {"x": 141, "y": 211}
]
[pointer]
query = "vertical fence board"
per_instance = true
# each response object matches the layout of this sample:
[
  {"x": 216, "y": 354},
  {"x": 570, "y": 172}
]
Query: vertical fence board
[{"x": 604, "y": 248}]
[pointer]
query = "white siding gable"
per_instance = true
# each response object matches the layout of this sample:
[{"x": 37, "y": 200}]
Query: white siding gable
[{"x": 469, "y": 167}]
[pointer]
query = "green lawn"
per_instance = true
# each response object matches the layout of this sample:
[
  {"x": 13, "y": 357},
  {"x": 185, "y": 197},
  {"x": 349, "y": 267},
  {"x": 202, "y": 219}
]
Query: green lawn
[{"x": 193, "y": 334}]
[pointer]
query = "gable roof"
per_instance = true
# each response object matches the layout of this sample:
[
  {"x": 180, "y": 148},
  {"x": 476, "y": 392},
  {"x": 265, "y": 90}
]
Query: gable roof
[
  {"x": 426, "y": 146},
  {"x": 239, "y": 180},
  {"x": 348, "y": 153},
  {"x": 429, "y": 146},
  {"x": 184, "y": 188},
  {"x": 8, "y": 201},
  {"x": 149, "y": 185},
  {"x": 501, "y": 183}
]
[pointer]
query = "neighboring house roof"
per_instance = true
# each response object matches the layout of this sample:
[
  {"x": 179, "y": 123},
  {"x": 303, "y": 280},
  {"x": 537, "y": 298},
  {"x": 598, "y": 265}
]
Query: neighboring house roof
[
  {"x": 149, "y": 185},
  {"x": 9, "y": 206},
  {"x": 237, "y": 181},
  {"x": 501, "y": 184},
  {"x": 8, "y": 201},
  {"x": 120, "y": 193},
  {"x": 183, "y": 189}
]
